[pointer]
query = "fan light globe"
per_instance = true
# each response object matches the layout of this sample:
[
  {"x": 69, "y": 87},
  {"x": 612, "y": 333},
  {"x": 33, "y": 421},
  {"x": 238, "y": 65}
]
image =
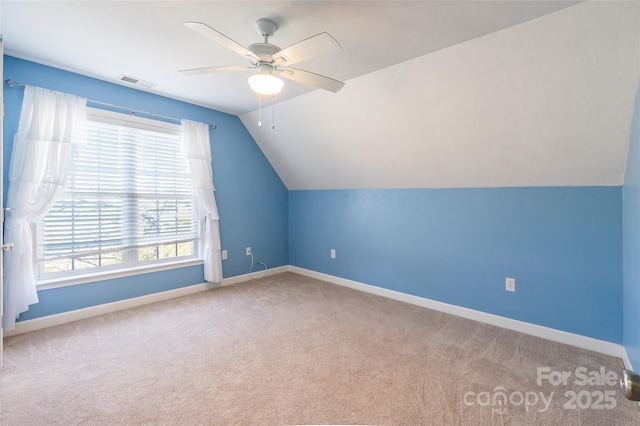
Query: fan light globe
[{"x": 265, "y": 84}]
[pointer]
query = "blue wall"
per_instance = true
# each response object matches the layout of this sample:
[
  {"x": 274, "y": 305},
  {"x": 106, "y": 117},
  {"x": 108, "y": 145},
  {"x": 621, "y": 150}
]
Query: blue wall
[
  {"x": 252, "y": 200},
  {"x": 563, "y": 246},
  {"x": 631, "y": 242}
]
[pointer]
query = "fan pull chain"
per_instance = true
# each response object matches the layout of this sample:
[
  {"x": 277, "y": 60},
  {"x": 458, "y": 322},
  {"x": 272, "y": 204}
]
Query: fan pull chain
[{"x": 273, "y": 113}]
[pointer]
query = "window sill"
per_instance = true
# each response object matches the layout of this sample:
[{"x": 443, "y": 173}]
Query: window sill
[{"x": 109, "y": 275}]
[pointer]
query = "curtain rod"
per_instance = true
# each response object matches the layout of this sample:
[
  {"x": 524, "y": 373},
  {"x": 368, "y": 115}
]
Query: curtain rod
[{"x": 12, "y": 83}]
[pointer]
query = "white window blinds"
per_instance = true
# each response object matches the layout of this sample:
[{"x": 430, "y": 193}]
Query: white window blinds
[{"x": 129, "y": 188}]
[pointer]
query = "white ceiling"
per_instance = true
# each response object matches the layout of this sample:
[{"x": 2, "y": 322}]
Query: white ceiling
[
  {"x": 545, "y": 103},
  {"x": 146, "y": 39},
  {"x": 438, "y": 94}
]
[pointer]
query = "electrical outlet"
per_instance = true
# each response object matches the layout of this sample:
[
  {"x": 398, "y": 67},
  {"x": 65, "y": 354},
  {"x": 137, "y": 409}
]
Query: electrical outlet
[
  {"x": 224, "y": 255},
  {"x": 248, "y": 251},
  {"x": 333, "y": 253},
  {"x": 510, "y": 284}
]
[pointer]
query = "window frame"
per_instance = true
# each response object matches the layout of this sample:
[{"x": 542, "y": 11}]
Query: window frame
[{"x": 131, "y": 265}]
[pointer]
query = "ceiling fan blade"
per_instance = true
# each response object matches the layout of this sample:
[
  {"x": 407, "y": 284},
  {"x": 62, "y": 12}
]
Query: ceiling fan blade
[
  {"x": 209, "y": 70},
  {"x": 312, "y": 79},
  {"x": 307, "y": 49},
  {"x": 221, "y": 39}
]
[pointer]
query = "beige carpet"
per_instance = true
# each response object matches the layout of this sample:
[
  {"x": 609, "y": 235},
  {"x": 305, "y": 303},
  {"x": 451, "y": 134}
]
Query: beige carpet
[{"x": 288, "y": 349}]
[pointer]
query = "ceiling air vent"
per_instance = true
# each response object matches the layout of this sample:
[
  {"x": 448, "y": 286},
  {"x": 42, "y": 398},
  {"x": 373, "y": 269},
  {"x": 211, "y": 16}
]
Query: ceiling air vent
[{"x": 137, "y": 81}]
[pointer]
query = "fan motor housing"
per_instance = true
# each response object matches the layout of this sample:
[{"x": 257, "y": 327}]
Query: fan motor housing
[{"x": 264, "y": 51}]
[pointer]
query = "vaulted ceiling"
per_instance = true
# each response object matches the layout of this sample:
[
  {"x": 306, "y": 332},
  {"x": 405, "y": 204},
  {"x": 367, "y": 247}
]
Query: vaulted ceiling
[
  {"x": 437, "y": 94},
  {"x": 544, "y": 103}
]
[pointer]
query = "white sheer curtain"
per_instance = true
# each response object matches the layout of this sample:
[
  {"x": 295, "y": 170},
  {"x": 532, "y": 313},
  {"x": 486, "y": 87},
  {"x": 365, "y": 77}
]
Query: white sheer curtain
[
  {"x": 195, "y": 140},
  {"x": 51, "y": 123}
]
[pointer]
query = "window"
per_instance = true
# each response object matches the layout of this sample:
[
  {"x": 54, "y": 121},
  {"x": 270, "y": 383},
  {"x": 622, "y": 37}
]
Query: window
[{"x": 127, "y": 203}]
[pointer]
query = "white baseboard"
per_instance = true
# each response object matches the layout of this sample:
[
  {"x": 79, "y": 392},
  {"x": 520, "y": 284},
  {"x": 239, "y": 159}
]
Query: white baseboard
[
  {"x": 93, "y": 311},
  {"x": 572, "y": 339},
  {"x": 577, "y": 340},
  {"x": 626, "y": 360},
  {"x": 255, "y": 275}
]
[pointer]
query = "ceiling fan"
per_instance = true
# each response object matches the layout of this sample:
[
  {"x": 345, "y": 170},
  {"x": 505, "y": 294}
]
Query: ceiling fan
[{"x": 271, "y": 61}]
